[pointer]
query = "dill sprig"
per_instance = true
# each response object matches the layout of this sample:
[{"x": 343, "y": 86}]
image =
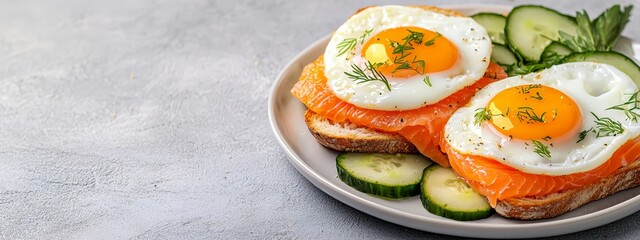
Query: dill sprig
[
  {"x": 432, "y": 40},
  {"x": 404, "y": 50},
  {"x": 541, "y": 149},
  {"x": 346, "y": 45},
  {"x": 360, "y": 76},
  {"x": 349, "y": 44},
  {"x": 414, "y": 37},
  {"x": 607, "y": 127},
  {"x": 604, "y": 127},
  {"x": 406, "y": 65},
  {"x": 527, "y": 89},
  {"x": 427, "y": 81},
  {"x": 400, "y": 48},
  {"x": 582, "y": 135},
  {"x": 537, "y": 96},
  {"x": 481, "y": 115},
  {"x": 364, "y": 35},
  {"x": 525, "y": 113},
  {"x": 629, "y": 107}
]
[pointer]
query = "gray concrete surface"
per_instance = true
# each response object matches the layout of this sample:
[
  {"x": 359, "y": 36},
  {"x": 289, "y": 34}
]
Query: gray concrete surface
[{"x": 147, "y": 120}]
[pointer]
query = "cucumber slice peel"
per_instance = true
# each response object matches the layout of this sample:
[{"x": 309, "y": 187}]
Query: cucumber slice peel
[
  {"x": 392, "y": 176},
  {"x": 554, "y": 53},
  {"x": 444, "y": 194},
  {"x": 502, "y": 55},
  {"x": 494, "y": 24},
  {"x": 530, "y": 28},
  {"x": 618, "y": 60}
]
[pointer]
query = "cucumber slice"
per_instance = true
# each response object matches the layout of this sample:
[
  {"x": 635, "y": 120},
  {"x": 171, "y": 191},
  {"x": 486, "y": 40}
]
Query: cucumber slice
[
  {"x": 494, "y": 24},
  {"x": 618, "y": 60},
  {"x": 554, "y": 53},
  {"x": 386, "y": 175},
  {"x": 558, "y": 48},
  {"x": 530, "y": 28},
  {"x": 502, "y": 55},
  {"x": 444, "y": 194}
]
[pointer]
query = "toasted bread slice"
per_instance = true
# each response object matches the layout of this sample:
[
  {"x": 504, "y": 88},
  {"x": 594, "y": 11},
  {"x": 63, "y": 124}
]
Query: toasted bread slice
[
  {"x": 350, "y": 137},
  {"x": 345, "y": 136},
  {"x": 555, "y": 204}
]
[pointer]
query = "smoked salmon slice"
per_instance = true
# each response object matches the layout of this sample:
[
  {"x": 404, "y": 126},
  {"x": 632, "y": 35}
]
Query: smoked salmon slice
[
  {"x": 421, "y": 126},
  {"x": 498, "y": 181}
]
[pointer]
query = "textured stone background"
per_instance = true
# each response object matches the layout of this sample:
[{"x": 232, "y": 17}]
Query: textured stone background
[{"x": 147, "y": 119}]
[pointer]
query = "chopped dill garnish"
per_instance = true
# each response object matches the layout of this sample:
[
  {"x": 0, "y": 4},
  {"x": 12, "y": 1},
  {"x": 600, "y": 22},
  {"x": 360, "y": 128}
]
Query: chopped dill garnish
[
  {"x": 541, "y": 149},
  {"x": 537, "y": 96},
  {"x": 582, "y": 135},
  {"x": 360, "y": 76},
  {"x": 525, "y": 113},
  {"x": 607, "y": 127},
  {"x": 527, "y": 89},
  {"x": 481, "y": 115},
  {"x": 346, "y": 45},
  {"x": 427, "y": 81},
  {"x": 404, "y": 50},
  {"x": 432, "y": 40},
  {"x": 630, "y": 107},
  {"x": 349, "y": 44}
]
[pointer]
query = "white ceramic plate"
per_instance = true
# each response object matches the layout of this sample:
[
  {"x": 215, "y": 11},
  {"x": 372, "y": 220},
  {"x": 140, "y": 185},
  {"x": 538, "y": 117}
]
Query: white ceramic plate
[{"x": 317, "y": 164}]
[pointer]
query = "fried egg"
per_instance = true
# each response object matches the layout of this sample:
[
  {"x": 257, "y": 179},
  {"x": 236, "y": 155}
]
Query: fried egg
[
  {"x": 402, "y": 58},
  {"x": 566, "y": 119}
]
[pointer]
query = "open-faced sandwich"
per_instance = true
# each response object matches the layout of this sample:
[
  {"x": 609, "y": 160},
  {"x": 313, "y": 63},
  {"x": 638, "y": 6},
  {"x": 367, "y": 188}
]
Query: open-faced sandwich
[
  {"x": 391, "y": 76},
  {"x": 561, "y": 132},
  {"x": 542, "y": 144}
]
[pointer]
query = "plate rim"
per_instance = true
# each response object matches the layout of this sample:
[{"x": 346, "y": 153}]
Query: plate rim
[{"x": 435, "y": 225}]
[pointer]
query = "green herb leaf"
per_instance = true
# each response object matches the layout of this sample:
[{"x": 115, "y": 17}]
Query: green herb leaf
[
  {"x": 400, "y": 49},
  {"x": 481, "y": 115},
  {"x": 349, "y": 44},
  {"x": 527, "y": 89},
  {"x": 404, "y": 50},
  {"x": 541, "y": 149},
  {"x": 521, "y": 68},
  {"x": 610, "y": 24},
  {"x": 537, "y": 96},
  {"x": 582, "y": 135},
  {"x": 525, "y": 113},
  {"x": 550, "y": 58},
  {"x": 629, "y": 107},
  {"x": 420, "y": 65},
  {"x": 414, "y": 37},
  {"x": 432, "y": 40},
  {"x": 346, "y": 45},
  {"x": 600, "y": 34},
  {"x": 360, "y": 76},
  {"x": 364, "y": 35},
  {"x": 427, "y": 81},
  {"x": 583, "y": 41},
  {"x": 607, "y": 127}
]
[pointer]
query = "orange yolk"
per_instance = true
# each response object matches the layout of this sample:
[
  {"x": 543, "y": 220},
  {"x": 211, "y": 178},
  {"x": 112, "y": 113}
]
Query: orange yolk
[
  {"x": 534, "y": 112},
  {"x": 408, "y": 51}
]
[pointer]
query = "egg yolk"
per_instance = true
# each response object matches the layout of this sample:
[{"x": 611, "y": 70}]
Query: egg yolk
[
  {"x": 408, "y": 51},
  {"x": 534, "y": 112}
]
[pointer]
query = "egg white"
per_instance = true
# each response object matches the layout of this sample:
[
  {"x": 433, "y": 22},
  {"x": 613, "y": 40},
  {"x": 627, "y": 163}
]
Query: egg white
[
  {"x": 471, "y": 39},
  {"x": 593, "y": 86}
]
